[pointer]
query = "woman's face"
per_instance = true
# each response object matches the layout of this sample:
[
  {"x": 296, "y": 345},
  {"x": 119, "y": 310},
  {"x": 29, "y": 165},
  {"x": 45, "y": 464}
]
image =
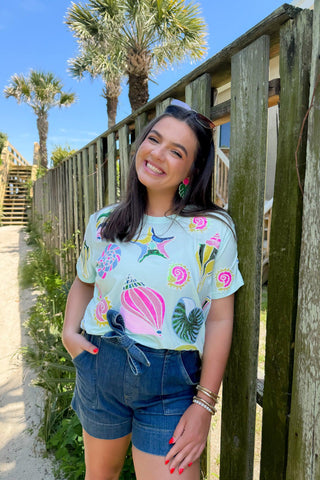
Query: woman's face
[{"x": 165, "y": 157}]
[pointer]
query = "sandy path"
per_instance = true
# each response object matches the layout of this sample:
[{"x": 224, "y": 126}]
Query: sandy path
[{"x": 20, "y": 403}]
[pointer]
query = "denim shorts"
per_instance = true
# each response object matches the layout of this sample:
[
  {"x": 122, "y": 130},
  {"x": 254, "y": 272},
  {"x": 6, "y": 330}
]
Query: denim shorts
[{"x": 112, "y": 401}]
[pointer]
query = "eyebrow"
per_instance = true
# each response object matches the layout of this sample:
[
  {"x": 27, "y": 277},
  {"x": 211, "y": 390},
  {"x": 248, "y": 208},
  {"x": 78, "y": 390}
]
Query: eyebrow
[{"x": 173, "y": 143}]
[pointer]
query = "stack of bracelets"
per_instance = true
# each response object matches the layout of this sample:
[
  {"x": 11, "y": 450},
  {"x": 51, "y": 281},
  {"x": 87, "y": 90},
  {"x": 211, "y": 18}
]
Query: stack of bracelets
[{"x": 200, "y": 401}]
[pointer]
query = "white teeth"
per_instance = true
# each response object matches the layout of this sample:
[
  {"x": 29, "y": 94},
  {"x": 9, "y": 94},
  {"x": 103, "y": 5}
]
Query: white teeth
[{"x": 153, "y": 168}]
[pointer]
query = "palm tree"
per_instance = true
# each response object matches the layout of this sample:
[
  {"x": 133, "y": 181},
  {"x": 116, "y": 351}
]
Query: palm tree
[
  {"x": 95, "y": 57},
  {"x": 42, "y": 91},
  {"x": 149, "y": 35}
]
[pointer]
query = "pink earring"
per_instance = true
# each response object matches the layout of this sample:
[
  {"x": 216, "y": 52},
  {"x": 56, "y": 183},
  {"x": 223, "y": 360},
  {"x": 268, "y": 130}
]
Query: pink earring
[{"x": 183, "y": 187}]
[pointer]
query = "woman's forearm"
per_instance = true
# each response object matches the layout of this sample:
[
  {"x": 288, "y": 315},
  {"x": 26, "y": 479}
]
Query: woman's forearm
[
  {"x": 79, "y": 296},
  {"x": 217, "y": 344}
]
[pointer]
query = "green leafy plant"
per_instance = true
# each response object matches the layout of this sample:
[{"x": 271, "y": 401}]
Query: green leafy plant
[{"x": 59, "y": 153}]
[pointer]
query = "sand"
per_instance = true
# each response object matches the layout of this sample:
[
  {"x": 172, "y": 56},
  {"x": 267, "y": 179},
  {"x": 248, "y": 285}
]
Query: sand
[{"x": 21, "y": 451}]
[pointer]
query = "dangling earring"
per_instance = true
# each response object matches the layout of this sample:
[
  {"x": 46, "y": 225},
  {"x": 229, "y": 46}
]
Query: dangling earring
[{"x": 183, "y": 187}]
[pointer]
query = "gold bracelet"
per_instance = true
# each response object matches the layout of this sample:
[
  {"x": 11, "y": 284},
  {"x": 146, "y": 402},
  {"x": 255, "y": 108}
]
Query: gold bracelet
[
  {"x": 207, "y": 392},
  {"x": 204, "y": 404}
]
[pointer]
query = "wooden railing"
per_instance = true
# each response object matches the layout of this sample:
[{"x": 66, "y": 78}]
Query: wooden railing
[
  {"x": 96, "y": 174},
  {"x": 9, "y": 157},
  {"x": 13, "y": 156}
]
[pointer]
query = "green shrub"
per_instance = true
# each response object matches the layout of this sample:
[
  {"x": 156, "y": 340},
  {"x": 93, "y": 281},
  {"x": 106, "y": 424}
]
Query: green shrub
[{"x": 59, "y": 153}]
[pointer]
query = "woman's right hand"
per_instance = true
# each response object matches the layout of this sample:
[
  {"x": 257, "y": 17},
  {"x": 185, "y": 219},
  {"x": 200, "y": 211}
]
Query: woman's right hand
[
  {"x": 79, "y": 296},
  {"x": 75, "y": 343}
]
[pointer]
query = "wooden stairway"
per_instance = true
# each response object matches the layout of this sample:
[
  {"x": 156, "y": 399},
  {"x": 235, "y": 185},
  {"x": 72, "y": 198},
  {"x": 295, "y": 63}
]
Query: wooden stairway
[{"x": 16, "y": 199}]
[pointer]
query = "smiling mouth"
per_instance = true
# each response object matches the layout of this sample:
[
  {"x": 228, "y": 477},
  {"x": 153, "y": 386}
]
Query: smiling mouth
[{"x": 154, "y": 169}]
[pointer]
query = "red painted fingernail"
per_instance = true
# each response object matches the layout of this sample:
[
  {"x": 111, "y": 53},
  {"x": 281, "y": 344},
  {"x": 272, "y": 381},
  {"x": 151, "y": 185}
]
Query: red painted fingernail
[
  {"x": 172, "y": 470},
  {"x": 96, "y": 350},
  {"x": 180, "y": 470},
  {"x": 166, "y": 462},
  {"x": 171, "y": 440},
  {"x": 189, "y": 464}
]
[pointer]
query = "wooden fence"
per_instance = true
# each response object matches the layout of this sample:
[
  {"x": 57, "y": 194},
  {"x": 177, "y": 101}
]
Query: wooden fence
[{"x": 95, "y": 176}]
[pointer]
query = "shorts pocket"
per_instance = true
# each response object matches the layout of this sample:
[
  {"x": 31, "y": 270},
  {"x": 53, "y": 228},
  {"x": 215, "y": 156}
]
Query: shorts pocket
[
  {"x": 180, "y": 375},
  {"x": 86, "y": 378},
  {"x": 190, "y": 365}
]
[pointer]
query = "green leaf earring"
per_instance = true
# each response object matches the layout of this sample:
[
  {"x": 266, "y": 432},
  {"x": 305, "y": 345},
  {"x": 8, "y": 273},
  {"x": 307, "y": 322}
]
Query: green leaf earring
[{"x": 183, "y": 187}]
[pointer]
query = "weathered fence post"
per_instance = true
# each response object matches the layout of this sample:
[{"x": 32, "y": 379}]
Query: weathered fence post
[
  {"x": 249, "y": 104},
  {"x": 100, "y": 176},
  {"x": 295, "y": 51},
  {"x": 112, "y": 179},
  {"x": 124, "y": 153},
  {"x": 304, "y": 427},
  {"x": 198, "y": 94}
]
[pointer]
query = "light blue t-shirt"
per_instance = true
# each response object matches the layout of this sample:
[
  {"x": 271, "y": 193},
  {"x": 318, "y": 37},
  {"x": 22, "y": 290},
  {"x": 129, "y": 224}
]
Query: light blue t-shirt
[{"x": 162, "y": 282}]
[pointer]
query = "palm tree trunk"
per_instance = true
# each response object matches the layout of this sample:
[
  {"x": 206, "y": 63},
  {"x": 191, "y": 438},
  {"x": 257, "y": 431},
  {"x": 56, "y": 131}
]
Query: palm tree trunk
[
  {"x": 42, "y": 124},
  {"x": 138, "y": 90},
  {"x": 112, "y": 104}
]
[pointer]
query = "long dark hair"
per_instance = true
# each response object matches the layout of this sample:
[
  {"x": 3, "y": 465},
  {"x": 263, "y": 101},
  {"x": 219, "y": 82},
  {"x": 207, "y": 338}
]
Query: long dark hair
[{"x": 125, "y": 220}]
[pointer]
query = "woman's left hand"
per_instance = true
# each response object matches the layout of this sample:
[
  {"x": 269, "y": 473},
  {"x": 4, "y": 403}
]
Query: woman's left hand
[{"x": 189, "y": 438}]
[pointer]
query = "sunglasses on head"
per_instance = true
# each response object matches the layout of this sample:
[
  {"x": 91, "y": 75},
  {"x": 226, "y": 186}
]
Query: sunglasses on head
[{"x": 202, "y": 119}]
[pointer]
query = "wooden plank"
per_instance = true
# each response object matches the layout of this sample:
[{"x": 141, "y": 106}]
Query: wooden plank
[
  {"x": 198, "y": 94},
  {"x": 161, "y": 106},
  {"x": 100, "y": 175},
  {"x": 285, "y": 239},
  {"x": 65, "y": 213},
  {"x": 140, "y": 122},
  {"x": 304, "y": 432},
  {"x": 80, "y": 196},
  {"x": 124, "y": 153},
  {"x": 70, "y": 230},
  {"x": 92, "y": 179},
  {"x": 249, "y": 116},
  {"x": 85, "y": 180},
  {"x": 76, "y": 205},
  {"x": 112, "y": 180}
]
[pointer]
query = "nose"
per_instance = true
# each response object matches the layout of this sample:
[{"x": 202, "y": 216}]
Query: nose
[{"x": 158, "y": 152}]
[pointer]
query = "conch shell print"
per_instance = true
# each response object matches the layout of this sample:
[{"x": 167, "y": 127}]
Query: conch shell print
[
  {"x": 142, "y": 308},
  {"x": 108, "y": 260},
  {"x": 205, "y": 258},
  {"x": 187, "y": 319}
]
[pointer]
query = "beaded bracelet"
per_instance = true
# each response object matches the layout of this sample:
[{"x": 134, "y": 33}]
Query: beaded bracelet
[
  {"x": 204, "y": 404},
  {"x": 209, "y": 394}
]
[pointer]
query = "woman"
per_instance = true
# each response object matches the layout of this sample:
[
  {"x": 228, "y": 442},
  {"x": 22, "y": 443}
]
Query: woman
[{"x": 149, "y": 317}]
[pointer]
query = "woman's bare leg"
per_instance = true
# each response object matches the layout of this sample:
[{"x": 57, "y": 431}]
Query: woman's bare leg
[
  {"x": 104, "y": 458},
  {"x": 152, "y": 467}
]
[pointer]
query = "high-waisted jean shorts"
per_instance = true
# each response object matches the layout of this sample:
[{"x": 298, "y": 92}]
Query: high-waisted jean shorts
[{"x": 111, "y": 400}]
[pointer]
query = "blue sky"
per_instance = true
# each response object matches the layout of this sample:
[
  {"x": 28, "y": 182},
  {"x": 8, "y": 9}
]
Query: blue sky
[{"x": 33, "y": 35}]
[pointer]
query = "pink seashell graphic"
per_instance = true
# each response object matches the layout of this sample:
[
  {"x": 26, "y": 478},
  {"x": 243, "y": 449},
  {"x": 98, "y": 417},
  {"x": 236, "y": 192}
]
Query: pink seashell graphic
[
  {"x": 142, "y": 308},
  {"x": 214, "y": 241}
]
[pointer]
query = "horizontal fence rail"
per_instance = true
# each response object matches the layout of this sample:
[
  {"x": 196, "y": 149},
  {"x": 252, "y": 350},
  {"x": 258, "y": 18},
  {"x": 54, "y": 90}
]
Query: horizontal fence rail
[{"x": 96, "y": 175}]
